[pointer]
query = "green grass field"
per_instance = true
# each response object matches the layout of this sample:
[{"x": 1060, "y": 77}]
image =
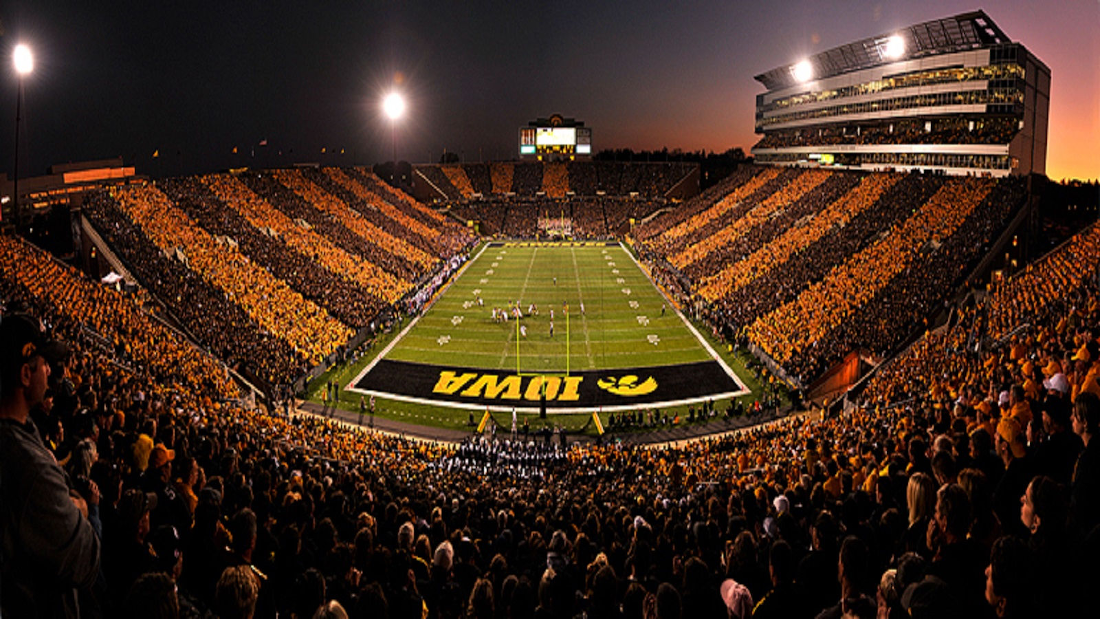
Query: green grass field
[
  {"x": 622, "y": 324},
  {"x": 608, "y": 336}
]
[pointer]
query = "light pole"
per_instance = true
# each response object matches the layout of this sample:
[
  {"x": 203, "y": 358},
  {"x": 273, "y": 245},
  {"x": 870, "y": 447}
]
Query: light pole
[
  {"x": 394, "y": 107},
  {"x": 24, "y": 64}
]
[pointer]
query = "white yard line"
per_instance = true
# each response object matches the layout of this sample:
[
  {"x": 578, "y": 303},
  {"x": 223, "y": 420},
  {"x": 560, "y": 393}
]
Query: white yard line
[
  {"x": 522, "y": 290},
  {"x": 580, "y": 300},
  {"x": 438, "y": 295},
  {"x": 687, "y": 323}
]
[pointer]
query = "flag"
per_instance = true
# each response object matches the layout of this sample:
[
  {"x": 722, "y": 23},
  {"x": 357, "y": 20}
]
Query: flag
[
  {"x": 599, "y": 426},
  {"x": 484, "y": 422},
  {"x": 156, "y": 153}
]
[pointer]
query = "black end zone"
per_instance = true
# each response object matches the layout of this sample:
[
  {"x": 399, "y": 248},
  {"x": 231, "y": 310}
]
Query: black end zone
[{"x": 606, "y": 388}]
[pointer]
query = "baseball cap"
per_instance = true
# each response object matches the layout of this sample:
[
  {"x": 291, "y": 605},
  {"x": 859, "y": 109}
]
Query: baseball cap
[
  {"x": 1057, "y": 382},
  {"x": 161, "y": 455},
  {"x": 22, "y": 338}
]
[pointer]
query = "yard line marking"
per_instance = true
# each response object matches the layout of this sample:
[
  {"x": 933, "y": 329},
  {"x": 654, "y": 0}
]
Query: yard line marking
[
  {"x": 523, "y": 289},
  {"x": 385, "y": 351},
  {"x": 584, "y": 319}
]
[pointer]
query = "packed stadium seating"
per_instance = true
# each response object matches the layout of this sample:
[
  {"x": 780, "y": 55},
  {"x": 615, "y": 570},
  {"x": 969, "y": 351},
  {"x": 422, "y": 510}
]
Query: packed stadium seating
[
  {"x": 275, "y": 271},
  {"x": 810, "y": 514},
  {"x": 590, "y": 217},
  {"x": 810, "y": 264},
  {"x": 582, "y": 178},
  {"x": 940, "y": 131}
]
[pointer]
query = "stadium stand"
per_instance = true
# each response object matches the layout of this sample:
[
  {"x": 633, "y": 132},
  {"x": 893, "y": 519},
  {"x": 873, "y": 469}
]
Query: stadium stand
[
  {"x": 527, "y": 178},
  {"x": 902, "y": 504},
  {"x": 501, "y": 175},
  {"x": 458, "y": 178},
  {"x": 861, "y": 276},
  {"x": 555, "y": 180},
  {"x": 275, "y": 271}
]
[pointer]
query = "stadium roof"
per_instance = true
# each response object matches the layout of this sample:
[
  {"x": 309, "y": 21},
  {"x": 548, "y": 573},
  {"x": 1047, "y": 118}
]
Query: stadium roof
[{"x": 965, "y": 31}]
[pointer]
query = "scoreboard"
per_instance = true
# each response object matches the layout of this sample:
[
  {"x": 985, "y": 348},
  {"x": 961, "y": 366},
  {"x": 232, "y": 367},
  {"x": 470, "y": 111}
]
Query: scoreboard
[{"x": 555, "y": 140}]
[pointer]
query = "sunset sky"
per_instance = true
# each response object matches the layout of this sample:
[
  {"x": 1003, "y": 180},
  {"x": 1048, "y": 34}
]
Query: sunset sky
[{"x": 193, "y": 80}]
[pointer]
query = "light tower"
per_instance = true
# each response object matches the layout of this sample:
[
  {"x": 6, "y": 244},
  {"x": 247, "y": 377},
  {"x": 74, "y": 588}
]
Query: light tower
[
  {"x": 23, "y": 61},
  {"x": 393, "y": 105}
]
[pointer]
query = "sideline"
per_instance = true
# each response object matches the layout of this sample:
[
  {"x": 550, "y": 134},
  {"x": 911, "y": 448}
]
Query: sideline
[{"x": 385, "y": 351}]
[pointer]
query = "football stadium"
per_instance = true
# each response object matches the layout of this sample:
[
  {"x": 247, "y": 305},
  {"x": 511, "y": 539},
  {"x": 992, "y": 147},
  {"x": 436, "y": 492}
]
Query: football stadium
[{"x": 852, "y": 369}]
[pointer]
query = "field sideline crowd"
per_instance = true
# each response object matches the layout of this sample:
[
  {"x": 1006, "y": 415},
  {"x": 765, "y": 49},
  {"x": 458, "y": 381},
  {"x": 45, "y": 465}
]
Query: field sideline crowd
[{"x": 134, "y": 481}]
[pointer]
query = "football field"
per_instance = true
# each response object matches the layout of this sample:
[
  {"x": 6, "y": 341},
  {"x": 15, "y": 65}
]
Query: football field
[{"x": 592, "y": 331}]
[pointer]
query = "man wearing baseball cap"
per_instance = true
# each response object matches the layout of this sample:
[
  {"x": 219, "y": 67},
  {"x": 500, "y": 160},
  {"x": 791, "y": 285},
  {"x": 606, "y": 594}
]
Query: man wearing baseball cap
[{"x": 49, "y": 550}]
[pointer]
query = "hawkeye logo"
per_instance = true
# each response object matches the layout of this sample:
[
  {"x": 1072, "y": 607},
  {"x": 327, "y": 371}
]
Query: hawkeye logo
[
  {"x": 627, "y": 385},
  {"x": 510, "y": 387}
]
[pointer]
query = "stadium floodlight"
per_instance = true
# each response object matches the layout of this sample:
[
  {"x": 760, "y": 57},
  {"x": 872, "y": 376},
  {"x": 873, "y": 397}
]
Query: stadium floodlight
[
  {"x": 803, "y": 71},
  {"x": 23, "y": 59},
  {"x": 394, "y": 106},
  {"x": 895, "y": 47}
]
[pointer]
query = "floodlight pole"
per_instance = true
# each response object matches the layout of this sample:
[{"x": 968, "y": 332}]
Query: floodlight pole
[
  {"x": 393, "y": 138},
  {"x": 24, "y": 64},
  {"x": 18, "y": 118}
]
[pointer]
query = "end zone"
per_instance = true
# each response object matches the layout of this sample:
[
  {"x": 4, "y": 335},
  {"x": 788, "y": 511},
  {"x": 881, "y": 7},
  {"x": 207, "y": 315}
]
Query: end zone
[{"x": 609, "y": 390}]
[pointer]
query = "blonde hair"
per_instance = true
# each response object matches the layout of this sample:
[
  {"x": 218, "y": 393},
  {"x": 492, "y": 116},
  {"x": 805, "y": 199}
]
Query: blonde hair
[{"x": 921, "y": 497}]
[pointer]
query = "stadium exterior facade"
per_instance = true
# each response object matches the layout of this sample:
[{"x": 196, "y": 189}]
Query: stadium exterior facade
[{"x": 953, "y": 95}]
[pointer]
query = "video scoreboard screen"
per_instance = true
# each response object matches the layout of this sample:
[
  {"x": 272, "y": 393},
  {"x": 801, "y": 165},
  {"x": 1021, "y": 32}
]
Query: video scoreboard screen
[{"x": 555, "y": 140}]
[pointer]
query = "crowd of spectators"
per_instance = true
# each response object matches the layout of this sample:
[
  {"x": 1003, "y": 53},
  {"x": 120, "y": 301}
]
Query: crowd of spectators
[
  {"x": 373, "y": 208},
  {"x": 390, "y": 241},
  {"x": 881, "y": 277},
  {"x": 271, "y": 270},
  {"x": 527, "y": 178},
  {"x": 457, "y": 176},
  {"x": 103, "y": 318},
  {"x": 271, "y": 305},
  {"x": 589, "y": 217},
  {"x": 261, "y": 215},
  {"x": 201, "y": 308},
  {"x": 938, "y": 131},
  {"x": 207, "y": 509},
  {"x": 693, "y": 206},
  {"x": 985, "y": 346},
  {"x": 778, "y": 211},
  {"x": 271, "y": 302},
  {"x": 555, "y": 180},
  {"x": 792, "y": 241},
  {"x": 440, "y": 180},
  {"x": 349, "y": 238},
  {"x": 740, "y": 307},
  {"x": 668, "y": 234},
  {"x": 480, "y": 177},
  {"x": 501, "y": 175},
  {"x": 810, "y": 265},
  {"x": 406, "y": 203},
  {"x": 349, "y": 289}
]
